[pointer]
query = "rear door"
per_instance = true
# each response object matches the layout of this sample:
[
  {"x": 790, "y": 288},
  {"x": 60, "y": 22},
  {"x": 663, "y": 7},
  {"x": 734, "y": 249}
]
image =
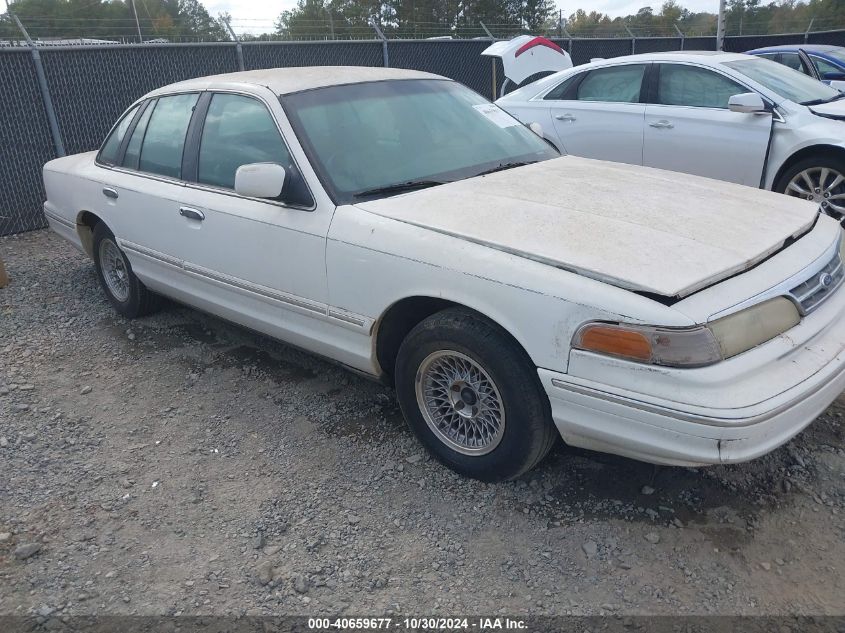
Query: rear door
[
  {"x": 145, "y": 189},
  {"x": 689, "y": 128},
  {"x": 600, "y": 115}
]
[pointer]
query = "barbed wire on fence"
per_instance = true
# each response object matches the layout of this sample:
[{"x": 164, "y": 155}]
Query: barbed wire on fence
[{"x": 46, "y": 29}]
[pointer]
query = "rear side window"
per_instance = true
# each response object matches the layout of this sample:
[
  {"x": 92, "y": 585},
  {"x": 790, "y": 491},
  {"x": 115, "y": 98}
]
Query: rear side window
[
  {"x": 559, "y": 92},
  {"x": 618, "y": 84},
  {"x": 133, "y": 148},
  {"x": 112, "y": 145},
  {"x": 164, "y": 140},
  {"x": 792, "y": 60},
  {"x": 238, "y": 130},
  {"x": 683, "y": 85}
]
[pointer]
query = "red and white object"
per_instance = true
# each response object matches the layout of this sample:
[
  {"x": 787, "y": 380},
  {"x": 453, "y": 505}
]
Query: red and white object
[{"x": 527, "y": 55}]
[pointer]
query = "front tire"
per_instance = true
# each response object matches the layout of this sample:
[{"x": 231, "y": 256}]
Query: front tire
[
  {"x": 124, "y": 290},
  {"x": 817, "y": 179},
  {"x": 472, "y": 396}
]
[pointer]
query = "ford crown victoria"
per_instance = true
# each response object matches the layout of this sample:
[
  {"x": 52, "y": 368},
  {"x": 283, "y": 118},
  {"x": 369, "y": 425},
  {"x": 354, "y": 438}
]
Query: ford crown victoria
[{"x": 400, "y": 224}]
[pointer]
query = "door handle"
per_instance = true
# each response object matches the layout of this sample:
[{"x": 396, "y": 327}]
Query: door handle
[
  {"x": 108, "y": 192},
  {"x": 662, "y": 123},
  {"x": 564, "y": 117},
  {"x": 191, "y": 214}
]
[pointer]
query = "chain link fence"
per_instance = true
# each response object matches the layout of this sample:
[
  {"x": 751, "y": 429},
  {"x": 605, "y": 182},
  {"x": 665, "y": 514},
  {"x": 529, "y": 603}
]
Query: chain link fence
[{"x": 90, "y": 86}]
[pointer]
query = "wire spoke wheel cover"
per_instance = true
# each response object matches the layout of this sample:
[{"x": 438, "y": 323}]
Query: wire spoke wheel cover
[
  {"x": 114, "y": 270},
  {"x": 460, "y": 402},
  {"x": 823, "y": 185}
]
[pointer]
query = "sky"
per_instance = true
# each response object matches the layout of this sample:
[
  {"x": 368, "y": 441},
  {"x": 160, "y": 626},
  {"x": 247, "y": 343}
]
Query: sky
[{"x": 260, "y": 14}]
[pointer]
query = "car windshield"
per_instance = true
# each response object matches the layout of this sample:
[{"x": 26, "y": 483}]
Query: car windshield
[
  {"x": 838, "y": 55},
  {"x": 788, "y": 83},
  {"x": 374, "y": 139}
]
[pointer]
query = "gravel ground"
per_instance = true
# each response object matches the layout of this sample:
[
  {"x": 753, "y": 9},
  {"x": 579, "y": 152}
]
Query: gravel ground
[{"x": 181, "y": 465}]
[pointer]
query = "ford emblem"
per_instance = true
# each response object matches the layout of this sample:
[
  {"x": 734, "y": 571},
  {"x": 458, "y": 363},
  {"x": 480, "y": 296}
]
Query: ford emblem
[{"x": 826, "y": 280}]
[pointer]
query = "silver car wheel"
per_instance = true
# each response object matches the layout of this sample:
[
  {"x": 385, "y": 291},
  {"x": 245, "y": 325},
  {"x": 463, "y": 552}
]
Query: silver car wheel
[
  {"x": 114, "y": 270},
  {"x": 822, "y": 185},
  {"x": 460, "y": 402}
]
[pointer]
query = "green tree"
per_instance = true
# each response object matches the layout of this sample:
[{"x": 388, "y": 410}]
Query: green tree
[{"x": 113, "y": 19}]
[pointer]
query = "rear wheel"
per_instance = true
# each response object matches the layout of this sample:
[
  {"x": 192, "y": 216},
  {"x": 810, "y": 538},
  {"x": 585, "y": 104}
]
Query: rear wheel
[
  {"x": 124, "y": 290},
  {"x": 472, "y": 396},
  {"x": 820, "y": 180}
]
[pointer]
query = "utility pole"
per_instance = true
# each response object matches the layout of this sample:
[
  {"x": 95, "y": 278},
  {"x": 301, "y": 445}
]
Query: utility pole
[
  {"x": 720, "y": 27},
  {"x": 137, "y": 24},
  {"x": 239, "y": 51},
  {"x": 331, "y": 21},
  {"x": 560, "y": 23}
]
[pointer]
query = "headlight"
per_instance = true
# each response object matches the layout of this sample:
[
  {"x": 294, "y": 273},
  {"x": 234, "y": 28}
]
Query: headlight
[
  {"x": 748, "y": 328},
  {"x": 690, "y": 347}
]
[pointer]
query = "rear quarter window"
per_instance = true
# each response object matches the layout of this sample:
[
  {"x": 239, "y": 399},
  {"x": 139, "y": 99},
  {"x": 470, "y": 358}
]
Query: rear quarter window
[{"x": 108, "y": 154}]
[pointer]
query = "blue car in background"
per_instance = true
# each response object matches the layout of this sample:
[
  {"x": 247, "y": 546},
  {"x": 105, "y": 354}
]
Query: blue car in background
[{"x": 825, "y": 63}]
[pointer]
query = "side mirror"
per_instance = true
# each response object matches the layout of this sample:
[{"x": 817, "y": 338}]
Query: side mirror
[
  {"x": 748, "y": 102},
  {"x": 260, "y": 180},
  {"x": 536, "y": 128},
  {"x": 838, "y": 85}
]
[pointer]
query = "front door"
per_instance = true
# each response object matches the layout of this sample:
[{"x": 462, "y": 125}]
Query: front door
[
  {"x": 257, "y": 261},
  {"x": 690, "y": 129}
]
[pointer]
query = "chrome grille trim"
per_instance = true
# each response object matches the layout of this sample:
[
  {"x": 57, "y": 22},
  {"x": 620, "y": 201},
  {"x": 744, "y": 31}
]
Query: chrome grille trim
[
  {"x": 812, "y": 292},
  {"x": 793, "y": 283}
]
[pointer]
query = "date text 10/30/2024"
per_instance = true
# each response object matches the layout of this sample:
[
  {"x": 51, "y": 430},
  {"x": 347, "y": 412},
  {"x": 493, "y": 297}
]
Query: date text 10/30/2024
[{"x": 417, "y": 624}]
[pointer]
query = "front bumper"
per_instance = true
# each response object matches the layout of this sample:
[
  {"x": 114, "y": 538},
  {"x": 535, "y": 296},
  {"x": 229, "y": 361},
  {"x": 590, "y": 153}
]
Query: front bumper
[{"x": 590, "y": 418}]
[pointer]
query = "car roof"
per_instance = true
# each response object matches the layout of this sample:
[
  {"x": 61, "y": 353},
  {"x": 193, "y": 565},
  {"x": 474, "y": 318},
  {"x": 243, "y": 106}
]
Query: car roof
[
  {"x": 296, "y": 79},
  {"x": 706, "y": 57},
  {"x": 817, "y": 48}
]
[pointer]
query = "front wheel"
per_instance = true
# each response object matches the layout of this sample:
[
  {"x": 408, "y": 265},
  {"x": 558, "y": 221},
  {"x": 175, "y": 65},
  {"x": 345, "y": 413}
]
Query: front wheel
[
  {"x": 817, "y": 179},
  {"x": 472, "y": 396},
  {"x": 124, "y": 290}
]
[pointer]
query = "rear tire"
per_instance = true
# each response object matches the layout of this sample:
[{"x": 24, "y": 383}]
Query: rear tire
[
  {"x": 472, "y": 396},
  {"x": 124, "y": 290}
]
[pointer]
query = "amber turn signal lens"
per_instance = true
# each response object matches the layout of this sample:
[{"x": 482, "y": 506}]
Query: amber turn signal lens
[{"x": 615, "y": 341}]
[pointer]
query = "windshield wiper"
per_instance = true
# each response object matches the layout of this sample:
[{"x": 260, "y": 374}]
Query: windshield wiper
[
  {"x": 841, "y": 95},
  {"x": 504, "y": 166},
  {"x": 399, "y": 187}
]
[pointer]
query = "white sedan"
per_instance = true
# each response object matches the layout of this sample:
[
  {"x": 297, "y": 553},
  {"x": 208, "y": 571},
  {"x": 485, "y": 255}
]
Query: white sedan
[
  {"x": 396, "y": 222},
  {"x": 728, "y": 116}
]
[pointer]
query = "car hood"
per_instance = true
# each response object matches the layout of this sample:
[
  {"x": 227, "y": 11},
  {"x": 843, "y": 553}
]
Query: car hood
[
  {"x": 832, "y": 110},
  {"x": 634, "y": 227}
]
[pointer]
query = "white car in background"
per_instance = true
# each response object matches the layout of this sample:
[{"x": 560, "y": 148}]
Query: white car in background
[
  {"x": 400, "y": 224},
  {"x": 728, "y": 116}
]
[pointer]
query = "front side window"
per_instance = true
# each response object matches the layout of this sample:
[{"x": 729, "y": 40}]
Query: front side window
[
  {"x": 683, "y": 85},
  {"x": 825, "y": 67},
  {"x": 164, "y": 140},
  {"x": 618, "y": 84},
  {"x": 237, "y": 131},
  {"x": 367, "y": 136},
  {"x": 112, "y": 145},
  {"x": 788, "y": 83}
]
